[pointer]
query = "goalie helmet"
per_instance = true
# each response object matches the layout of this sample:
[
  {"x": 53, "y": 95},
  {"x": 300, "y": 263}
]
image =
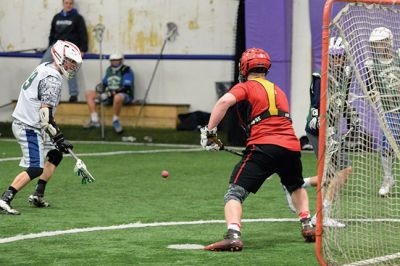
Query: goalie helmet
[
  {"x": 381, "y": 35},
  {"x": 381, "y": 41},
  {"x": 253, "y": 58},
  {"x": 67, "y": 57}
]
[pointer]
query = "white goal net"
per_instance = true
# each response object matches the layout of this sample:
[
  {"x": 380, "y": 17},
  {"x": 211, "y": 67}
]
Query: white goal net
[{"x": 361, "y": 177}]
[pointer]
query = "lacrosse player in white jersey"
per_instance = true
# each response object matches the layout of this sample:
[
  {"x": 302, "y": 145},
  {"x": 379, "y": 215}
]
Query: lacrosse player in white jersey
[
  {"x": 383, "y": 69},
  {"x": 34, "y": 126}
]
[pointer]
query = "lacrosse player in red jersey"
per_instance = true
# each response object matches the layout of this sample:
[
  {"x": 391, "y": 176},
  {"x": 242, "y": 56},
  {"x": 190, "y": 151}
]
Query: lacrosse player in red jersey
[
  {"x": 34, "y": 126},
  {"x": 272, "y": 146}
]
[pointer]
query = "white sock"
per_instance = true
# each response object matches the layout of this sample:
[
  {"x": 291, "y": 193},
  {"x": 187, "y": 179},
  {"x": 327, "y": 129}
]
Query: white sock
[
  {"x": 115, "y": 118},
  {"x": 387, "y": 163},
  {"x": 234, "y": 226},
  {"x": 327, "y": 204},
  {"x": 306, "y": 182},
  {"x": 94, "y": 117}
]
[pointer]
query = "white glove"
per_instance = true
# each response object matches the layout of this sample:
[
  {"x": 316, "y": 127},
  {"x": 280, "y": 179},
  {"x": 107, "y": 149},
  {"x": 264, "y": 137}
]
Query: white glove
[
  {"x": 209, "y": 140},
  {"x": 314, "y": 122},
  {"x": 105, "y": 95}
]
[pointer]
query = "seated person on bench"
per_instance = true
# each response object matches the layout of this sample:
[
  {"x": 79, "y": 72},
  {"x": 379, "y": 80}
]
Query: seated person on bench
[{"x": 116, "y": 89}]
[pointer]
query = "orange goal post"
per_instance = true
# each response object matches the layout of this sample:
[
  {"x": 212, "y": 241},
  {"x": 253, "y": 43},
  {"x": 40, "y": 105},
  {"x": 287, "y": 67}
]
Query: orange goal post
[{"x": 359, "y": 137}]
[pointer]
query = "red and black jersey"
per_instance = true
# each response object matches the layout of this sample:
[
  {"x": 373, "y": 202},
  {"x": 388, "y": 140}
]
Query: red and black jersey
[{"x": 276, "y": 130}]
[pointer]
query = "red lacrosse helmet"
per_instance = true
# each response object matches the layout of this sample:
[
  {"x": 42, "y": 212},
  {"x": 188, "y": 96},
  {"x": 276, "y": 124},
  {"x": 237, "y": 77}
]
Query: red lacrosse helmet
[{"x": 254, "y": 58}]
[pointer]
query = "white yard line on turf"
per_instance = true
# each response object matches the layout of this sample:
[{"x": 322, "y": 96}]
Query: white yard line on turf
[
  {"x": 131, "y": 225},
  {"x": 134, "y": 144},
  {"x": 159, "y": 224},
  {"x": 111, "y": 153}
]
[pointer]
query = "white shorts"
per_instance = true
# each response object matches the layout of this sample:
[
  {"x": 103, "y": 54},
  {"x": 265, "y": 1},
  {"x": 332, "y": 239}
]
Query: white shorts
[{"x": 35, "y": 144}]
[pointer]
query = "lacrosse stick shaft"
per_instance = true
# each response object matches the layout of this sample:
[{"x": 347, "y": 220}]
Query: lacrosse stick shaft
[
  {"x": 99, "y": 30},
  {"x": 101, "y": 102},
  {"x": 172, "y": 31},
  {"x": 73, "y": 154},
  {"x": 231, "y": 151},
  {"x": 150, "y": 83}
]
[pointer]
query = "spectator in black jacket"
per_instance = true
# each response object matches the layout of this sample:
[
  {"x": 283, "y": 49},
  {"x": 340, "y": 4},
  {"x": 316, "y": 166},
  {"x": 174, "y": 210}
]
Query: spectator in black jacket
[{"x": 68, "y": 25}]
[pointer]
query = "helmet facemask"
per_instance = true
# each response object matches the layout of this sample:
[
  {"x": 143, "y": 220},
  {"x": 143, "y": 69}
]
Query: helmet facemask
[{"x": 382, "y": 50}]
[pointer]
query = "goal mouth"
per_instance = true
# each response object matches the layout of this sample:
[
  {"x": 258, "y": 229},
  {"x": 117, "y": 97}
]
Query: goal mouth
[{"x": 359, "y": 137}]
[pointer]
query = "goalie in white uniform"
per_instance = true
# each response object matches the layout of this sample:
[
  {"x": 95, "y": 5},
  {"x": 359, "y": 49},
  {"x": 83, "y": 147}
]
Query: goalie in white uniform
[
  {"x": 34, "y": 126},
  {"x": 383, "y": 86}
]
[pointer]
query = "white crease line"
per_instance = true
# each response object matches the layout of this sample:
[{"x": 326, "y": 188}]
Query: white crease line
[
  {"x": 131, "y": 225},
  {"x": 110, "y": 153}
]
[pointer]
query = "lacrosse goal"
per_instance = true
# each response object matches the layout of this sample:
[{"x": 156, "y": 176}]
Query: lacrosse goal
[{"x": 360, "y": 130}]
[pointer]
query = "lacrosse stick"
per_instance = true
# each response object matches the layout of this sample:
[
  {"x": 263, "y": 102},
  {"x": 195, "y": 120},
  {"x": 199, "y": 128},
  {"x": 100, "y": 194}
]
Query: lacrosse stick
[
  {"x": 81, "y": 170},
  {"x": 223, "y": 148},
  {"x": 98, "y": 34},
  {"x": 172, "y": 32}
]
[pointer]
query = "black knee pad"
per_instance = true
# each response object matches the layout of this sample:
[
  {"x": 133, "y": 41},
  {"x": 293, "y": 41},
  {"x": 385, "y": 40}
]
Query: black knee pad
[
  {"x": 54, "y": 157},
  {"x": 34, "y": 172}
]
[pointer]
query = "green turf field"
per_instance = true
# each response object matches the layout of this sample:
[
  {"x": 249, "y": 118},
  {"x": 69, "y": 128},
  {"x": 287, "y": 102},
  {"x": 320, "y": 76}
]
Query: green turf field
[{"x": 128, "y": 190}]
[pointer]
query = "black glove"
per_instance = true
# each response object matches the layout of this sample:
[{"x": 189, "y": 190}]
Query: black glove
[
  {"x": 61, "y": 144},
  {"x": 100, "y": 88}
]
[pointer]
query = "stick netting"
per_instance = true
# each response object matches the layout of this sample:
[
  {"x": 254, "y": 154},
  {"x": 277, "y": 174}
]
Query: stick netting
[{"x": 363, "y": 137}]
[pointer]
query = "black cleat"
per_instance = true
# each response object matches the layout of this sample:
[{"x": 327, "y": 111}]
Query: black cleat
[
  {"x": 37, "y": 201},
  {"x": 231, "y": 243}
]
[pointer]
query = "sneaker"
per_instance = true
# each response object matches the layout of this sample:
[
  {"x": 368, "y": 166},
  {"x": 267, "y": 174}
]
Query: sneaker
[
  {"x": 289, "y": 200},
  {"x": 92, "y": 124},
  {"x": 231, "y": 242},
  {"x": 73, "y": 99},
  {"x": 307, "y": 230},
  {"x": 6, "y": 208},
  {"x": 117, "y": 127},
  {"x": 387, "y": 184},
  {"x": 328, "y": 222},
  {"x": 37, "y": 201}
]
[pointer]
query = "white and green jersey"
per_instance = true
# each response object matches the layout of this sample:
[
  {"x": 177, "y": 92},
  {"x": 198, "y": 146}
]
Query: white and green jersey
[
  {"x": 42, "y": 87},
  {"x": 384, "y": 77}
]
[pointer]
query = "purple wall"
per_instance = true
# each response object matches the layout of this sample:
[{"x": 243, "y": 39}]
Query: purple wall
[
  {"x": 316, "y": 9},
  {"x": 269, "y": 26}
]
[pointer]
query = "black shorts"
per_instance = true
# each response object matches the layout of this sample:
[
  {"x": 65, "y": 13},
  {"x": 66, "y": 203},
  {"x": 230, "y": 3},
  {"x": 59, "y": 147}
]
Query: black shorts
[{"x": 261, "y": 161}]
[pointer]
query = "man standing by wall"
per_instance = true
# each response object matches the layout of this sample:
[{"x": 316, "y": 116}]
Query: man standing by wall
[{"x": 68, "y": 25}]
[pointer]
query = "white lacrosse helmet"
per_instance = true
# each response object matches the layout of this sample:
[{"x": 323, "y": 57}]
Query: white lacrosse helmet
[
  {"x": 381, "y": 34},
  {"x": 116, "y": 56},
  {"x": 67, "y": 57},
  {"x": 336, "y": 46}
]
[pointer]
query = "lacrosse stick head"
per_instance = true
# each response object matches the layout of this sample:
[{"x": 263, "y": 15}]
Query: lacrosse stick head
[
  {"x": 81, "y": 170},
  {"x": 172, "y": 31},
  {"x": 98, "y": 32}
]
